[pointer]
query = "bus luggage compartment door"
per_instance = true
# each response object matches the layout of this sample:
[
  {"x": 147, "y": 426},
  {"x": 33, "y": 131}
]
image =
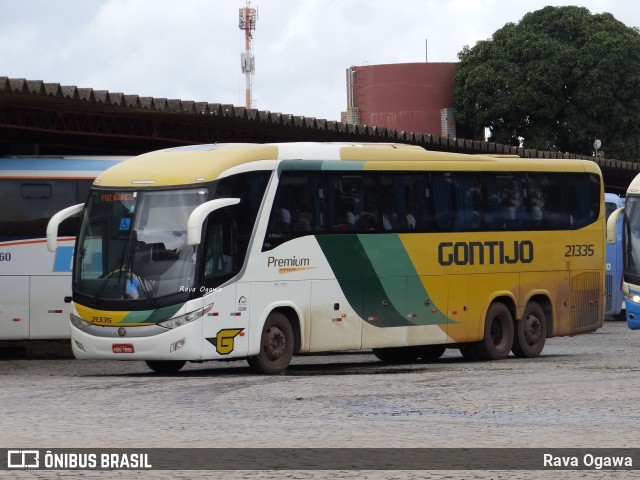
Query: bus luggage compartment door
[{"x": 14, "y": 308}]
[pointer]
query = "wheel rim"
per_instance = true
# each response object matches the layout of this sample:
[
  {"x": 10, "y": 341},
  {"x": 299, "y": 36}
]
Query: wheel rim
[
  {"x": 497, "y": 331},
  {"x": 275, "y": 343},
  {"x": 532, "y": 329}
]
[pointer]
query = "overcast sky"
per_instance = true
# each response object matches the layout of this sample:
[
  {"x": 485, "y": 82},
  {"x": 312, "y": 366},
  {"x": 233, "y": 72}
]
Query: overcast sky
[{"x": 190, "y": 49}]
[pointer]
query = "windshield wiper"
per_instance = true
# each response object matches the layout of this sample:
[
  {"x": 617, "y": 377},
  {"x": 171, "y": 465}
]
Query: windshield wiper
[{"x": 117, "y": 267}]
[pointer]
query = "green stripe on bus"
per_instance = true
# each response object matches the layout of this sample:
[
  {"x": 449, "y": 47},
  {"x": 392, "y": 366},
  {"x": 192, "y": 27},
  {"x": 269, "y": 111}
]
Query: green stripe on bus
[
  {"x": 387, "y": 293},
  {"x": 152, "y": 316}
]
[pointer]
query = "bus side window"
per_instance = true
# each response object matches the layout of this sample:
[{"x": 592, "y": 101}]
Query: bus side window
[
  {"x": 491, "y": 207},
  {"x": 220, "y": 258},
  {"x": 33, "y": 202},
  {"x": 584, "y": 198},
  {"x": 513, "y": 200},
  {"x": 548, "y": 201},
  {"x": 298, "y": 208},
  {"x": 443, "y": 200},
  {"x": 401, "y": 207},
  {"x": 468, "y": 205},
  {"x": 353, "y": 202}
]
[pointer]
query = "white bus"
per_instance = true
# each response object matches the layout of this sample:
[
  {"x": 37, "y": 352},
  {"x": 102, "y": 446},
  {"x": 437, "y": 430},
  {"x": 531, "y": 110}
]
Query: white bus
[
  {"x": 218, "y": 252},
  {"x": 33, "y": 281}
]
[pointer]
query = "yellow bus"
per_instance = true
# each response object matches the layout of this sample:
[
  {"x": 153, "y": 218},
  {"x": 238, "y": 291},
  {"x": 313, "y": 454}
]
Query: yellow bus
[{"x": 264, "y": 251}]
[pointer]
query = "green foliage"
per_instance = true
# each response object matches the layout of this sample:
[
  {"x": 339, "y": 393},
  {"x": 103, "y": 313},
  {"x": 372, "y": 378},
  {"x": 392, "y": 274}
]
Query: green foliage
[{"x": 558, "y": 79}]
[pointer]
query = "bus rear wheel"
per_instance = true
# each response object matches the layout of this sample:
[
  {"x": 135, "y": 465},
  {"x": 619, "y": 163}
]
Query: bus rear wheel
[
  {"x": 498, "y": 333},
  {"x": 276, "y": 346},
  {"x": 531, "y": 332},
  {"x": 397, "y": 354},
  {"x": 165, "y": 366}
]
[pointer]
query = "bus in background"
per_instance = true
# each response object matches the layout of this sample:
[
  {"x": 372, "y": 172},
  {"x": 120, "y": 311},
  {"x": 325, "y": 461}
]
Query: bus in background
[
  {"x": 615, "y": 304},
  {"x": 220, "y": 252},
  {"x": 33, "y": 281},
  {"x": 630, "y": 214}
]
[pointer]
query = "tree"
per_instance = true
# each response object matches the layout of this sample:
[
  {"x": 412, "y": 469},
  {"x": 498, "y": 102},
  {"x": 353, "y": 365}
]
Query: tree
[{"x": 557, "y": 80}]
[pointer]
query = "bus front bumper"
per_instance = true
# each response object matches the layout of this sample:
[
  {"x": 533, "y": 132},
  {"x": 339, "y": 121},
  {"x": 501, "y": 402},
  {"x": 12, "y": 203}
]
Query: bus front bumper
[{"x": 181, "y": 343}]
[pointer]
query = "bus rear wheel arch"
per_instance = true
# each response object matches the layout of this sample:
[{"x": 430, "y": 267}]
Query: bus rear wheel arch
[
  {"x": 530, "y": 332},
  {"x": 276, "y": 345}
]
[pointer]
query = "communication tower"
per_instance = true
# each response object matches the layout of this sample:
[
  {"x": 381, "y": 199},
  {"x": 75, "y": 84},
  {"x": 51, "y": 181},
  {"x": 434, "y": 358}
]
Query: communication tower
[{"x": 248, "y": 18}]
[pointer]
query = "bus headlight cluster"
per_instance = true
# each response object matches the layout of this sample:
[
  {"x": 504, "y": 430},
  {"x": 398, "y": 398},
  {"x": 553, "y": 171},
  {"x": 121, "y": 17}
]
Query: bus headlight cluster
[
  {"x": 634, "y": 297},
  {"x": 78, "y": 322},
  {"x": 184, "y": 319}
]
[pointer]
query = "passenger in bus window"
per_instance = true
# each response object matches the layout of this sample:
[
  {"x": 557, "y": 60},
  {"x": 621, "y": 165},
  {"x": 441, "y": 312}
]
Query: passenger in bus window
[
  {"x": 367, "y": 223},
  {"x": 281, "y": 220}
]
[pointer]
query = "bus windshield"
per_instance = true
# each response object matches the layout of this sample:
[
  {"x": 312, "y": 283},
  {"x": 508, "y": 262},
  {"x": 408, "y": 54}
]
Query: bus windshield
[{"x": 133, "y": 245}]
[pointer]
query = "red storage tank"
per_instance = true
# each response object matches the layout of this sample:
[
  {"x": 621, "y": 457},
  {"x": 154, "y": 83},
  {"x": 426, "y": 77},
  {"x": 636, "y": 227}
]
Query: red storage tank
[{"x": 414, "y": 97}]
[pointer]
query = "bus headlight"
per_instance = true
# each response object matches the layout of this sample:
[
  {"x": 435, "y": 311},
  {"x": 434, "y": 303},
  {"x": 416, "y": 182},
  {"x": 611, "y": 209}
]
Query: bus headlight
[
  {"x": 78, "y": 322},
  {"x": 184, "y": 319},
  {"x": 634, "y": 297}
]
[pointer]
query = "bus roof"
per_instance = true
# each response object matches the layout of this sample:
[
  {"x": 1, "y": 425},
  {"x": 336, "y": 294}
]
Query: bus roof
[{"x": 203, "y": 163}]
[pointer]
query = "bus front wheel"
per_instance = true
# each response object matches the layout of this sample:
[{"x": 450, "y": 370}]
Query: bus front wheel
[
  {"x": 498, "y": 333},
  {"x": 165, "y": 366},
  {"x": 531, "y": 332},
  {"x": 276, "y": 346}
]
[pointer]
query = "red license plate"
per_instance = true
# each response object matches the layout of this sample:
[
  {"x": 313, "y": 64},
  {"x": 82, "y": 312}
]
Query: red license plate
[{"x": 122, "y": 348}]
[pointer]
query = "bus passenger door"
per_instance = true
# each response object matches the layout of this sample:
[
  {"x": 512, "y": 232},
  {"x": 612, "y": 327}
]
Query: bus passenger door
[{"x": 335, "y": 325}]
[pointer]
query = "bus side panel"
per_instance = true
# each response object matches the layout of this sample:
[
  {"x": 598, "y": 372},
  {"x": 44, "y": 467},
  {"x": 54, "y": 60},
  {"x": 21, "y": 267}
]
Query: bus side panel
[
  {"x": 334, "y": 328},
  {"x": 614, "y": 267},
  {"x": 49, "y": 313},
  {"x": 483, "y": 290},
  {"x": 447, "y": 304},
  {"x": 14, "y": 308},
  {"x": 267, "y": 296}
]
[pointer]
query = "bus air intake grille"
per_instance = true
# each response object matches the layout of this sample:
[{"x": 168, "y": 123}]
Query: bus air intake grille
[{"x": 584, "y": 297}]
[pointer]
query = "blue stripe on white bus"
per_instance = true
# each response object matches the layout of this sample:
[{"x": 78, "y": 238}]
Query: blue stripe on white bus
[{"x": 54, "y": 164}]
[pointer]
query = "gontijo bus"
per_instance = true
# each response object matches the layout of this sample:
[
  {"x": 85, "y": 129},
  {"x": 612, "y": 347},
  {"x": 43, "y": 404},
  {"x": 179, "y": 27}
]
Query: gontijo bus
[
  {"x": 229, "y": 251},
  {"x": 34, "y": 282}
]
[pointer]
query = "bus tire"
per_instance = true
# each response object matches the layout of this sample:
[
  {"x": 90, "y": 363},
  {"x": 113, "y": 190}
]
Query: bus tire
[
  {"x": 276, "y": 346},
  {"x": 531, "y": 332},
  {"x": 498, "y": 333},
  {"x": 431, "y": 352},
  {"x": 165, "y": 366},
  {"x": 397, "y": 354}
]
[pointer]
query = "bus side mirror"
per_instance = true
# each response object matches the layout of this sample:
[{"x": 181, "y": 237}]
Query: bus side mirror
[
  {"x": 56, "y": 220},
  {"x": 199, "y": 214},
  {"x": 611, "y": 225}
]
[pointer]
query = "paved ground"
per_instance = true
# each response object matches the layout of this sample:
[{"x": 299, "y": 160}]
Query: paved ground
[{"x": 582, "y": 392}]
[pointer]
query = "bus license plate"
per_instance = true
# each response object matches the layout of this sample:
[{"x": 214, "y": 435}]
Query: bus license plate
[{"x": 122, "y": 348}]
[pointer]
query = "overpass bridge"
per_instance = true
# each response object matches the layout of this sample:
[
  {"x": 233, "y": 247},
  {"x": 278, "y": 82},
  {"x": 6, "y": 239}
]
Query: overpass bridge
[{"x": 51, "y": 119}]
